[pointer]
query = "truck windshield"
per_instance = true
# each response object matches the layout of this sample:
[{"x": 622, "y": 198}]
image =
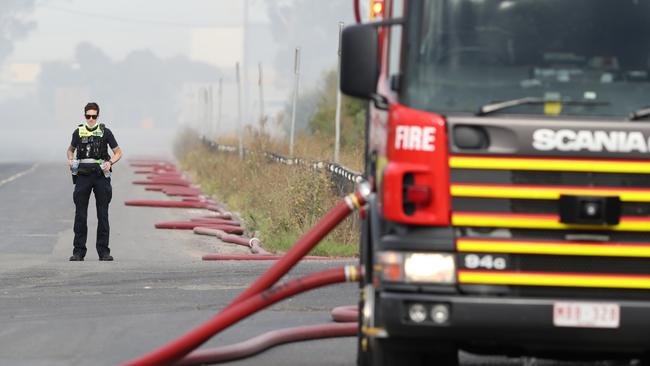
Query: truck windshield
[{"x": 585, "y": 57}]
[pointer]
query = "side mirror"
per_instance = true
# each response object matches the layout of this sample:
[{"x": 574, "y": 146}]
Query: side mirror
[{"x": 359, "y": 60}]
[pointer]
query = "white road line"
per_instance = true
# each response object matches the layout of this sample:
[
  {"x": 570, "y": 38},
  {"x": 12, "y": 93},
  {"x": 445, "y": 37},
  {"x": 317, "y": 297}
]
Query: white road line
[
  {"x": 35, "y": 235},
  {"x": 18, "y": 175}
]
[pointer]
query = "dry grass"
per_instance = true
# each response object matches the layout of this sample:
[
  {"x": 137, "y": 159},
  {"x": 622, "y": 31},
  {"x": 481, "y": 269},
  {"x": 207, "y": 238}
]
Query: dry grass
[{"x": 276, "y": 201}]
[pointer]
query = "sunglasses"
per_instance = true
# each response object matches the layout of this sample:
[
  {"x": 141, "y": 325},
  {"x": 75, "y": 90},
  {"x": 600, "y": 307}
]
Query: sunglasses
[{"x": 89, "y": 116}]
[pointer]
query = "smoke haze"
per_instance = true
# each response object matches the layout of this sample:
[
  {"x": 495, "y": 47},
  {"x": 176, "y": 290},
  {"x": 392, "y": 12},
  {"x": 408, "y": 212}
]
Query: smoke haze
[
  {"x": 155, "y": 68},
  {"x": 14, "y": 24}
]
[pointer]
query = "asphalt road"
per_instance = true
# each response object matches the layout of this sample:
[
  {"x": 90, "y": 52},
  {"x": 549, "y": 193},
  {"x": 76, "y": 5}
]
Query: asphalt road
[{"x": 56, "y": 312}]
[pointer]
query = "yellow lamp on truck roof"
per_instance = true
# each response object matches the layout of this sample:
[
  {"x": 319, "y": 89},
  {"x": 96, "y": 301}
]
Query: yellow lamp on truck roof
[{"x": 376, "y": 9}]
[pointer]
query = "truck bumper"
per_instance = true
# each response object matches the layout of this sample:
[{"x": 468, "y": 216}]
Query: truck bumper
[{"x": 514, "y": 325}]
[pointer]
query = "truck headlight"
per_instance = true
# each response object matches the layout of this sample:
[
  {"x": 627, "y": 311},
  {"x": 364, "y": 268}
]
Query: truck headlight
[
  {"x": 417, "y": 267},
  {"x": 430, "y": 267}
]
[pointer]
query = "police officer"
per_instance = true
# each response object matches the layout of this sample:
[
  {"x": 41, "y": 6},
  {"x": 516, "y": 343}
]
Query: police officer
[{"x": 91, "y": 141}]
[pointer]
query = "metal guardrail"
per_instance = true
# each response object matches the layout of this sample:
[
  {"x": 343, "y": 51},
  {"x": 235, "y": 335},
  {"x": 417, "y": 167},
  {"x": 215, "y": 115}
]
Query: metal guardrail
[{"x": 338, "y": 171}]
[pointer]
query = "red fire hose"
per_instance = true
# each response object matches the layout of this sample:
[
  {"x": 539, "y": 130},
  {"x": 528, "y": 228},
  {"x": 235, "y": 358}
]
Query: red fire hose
[
  {"x": 175, "y": 190},
  {"x": 161, "y": 182},
  {"x": 198, "y": 199},
  {"x": 180, "y": 347},
  {"x": 189, "y": 225},
  {"x": 164, "y": 173},
  {"x": 258, "y": 257},
  {"x": 155, "y": 189},
  {"x": 154, "y": 169},
  {"x": 171, "y": 204},
  {"x": 214, "y": 215},
  {"x": 158, "y": 165},
  {"x": 268, "y": 340},
  {"x": 217, "y": 208},
  {"x": 306, "y": 243},
  {"x": 252, "y": 243},
  {"x": 258, "y": 295},
  {"x": 345, "y": 314},
  {"x": 342, "y": 314},
  {"x": 184, "y": 193},
  {"x": 215, "y": 220},
  {"x": 167, "y": 178},
  {"x": 157, "y": 171}
]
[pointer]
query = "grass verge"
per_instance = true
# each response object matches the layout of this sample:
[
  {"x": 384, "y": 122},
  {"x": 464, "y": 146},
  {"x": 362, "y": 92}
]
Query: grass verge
[{"x": 278, "y": 203}]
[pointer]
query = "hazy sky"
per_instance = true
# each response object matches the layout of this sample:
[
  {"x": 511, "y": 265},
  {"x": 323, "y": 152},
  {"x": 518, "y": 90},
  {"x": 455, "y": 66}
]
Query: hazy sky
[
  {"x": 151, "y": 62},
  {"x": 120, "y": 26}
]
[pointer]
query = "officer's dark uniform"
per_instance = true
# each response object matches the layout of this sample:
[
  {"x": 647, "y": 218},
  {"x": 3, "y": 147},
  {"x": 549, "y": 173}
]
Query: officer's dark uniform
[{"x": 92, "y": 144}]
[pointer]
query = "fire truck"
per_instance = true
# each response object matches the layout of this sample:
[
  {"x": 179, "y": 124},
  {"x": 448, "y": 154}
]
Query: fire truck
[{"x": 508, "y": 148}]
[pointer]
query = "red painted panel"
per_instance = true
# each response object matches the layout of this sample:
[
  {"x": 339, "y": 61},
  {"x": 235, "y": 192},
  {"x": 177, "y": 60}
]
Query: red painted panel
[{"x": 417, "y": 144}]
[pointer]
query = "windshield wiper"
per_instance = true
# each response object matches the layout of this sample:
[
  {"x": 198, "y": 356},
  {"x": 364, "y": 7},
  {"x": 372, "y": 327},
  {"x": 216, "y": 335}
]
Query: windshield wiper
[
  {"x": 639, "y": 114},
  {"x": 497, "y": 106}
]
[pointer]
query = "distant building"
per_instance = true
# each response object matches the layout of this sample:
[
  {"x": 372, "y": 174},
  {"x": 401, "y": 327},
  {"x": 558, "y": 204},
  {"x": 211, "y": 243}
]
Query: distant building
[{"x": 18, "y": 79}]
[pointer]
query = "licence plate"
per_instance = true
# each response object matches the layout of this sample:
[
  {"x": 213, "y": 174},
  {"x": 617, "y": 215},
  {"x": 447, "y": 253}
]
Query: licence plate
[{"x": 586, "y": 315}]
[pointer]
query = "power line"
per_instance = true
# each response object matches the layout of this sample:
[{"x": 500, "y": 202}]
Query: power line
[{"x": 163, "y": 23}]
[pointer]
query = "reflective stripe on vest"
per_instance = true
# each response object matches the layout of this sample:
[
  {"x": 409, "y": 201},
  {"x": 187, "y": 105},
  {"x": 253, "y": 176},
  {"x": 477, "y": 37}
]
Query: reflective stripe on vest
[{"x": 84, "y": 132}]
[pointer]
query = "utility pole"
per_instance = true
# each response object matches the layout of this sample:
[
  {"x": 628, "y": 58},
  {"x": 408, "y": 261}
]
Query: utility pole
[
  {"x": 239, "y": 115},
  {"x": 296, "y": 88},
  {"x": 261, "y": 86},
  {"x": 220, "y": 96},
  {"x": 337, "y": 143},
  {"x": 205, "y": 124},
  {"x": 246, "y": 64},
  {"x": 211, "y": 129},
  {"x": 198, "y": 110}
]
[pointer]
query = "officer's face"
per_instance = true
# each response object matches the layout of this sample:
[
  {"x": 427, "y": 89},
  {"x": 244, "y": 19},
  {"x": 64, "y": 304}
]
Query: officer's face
[{"x": 91, "y": 116}]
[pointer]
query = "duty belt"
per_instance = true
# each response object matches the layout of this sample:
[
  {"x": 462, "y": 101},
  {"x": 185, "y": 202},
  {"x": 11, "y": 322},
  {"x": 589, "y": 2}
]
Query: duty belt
[{"x": 89, "y": 166}]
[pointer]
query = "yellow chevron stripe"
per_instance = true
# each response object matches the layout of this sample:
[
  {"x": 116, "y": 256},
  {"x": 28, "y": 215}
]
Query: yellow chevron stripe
[
  {"x": 561, "y": 280},
  {"x": 462, "y": 219},
  {"x": 572, "y": 165},
  {"x": 542, "y": 193},
  {"x": 552, "y": 248}
]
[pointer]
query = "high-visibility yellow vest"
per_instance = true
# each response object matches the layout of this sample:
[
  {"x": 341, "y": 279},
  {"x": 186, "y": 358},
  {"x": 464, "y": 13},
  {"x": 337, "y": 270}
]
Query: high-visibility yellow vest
[{"x": 85, "y": 132}]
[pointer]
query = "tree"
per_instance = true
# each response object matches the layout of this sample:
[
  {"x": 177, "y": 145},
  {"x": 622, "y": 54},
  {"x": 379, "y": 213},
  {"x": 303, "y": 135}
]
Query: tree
[{"x": 352, "y": 115}]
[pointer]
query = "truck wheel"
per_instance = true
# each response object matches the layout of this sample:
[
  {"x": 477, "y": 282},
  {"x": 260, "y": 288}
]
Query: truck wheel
[{"x": 413, "y": 352}]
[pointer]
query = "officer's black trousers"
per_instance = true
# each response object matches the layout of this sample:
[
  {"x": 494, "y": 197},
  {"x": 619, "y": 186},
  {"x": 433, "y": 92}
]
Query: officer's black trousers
[{"x": 101, "y": 185}]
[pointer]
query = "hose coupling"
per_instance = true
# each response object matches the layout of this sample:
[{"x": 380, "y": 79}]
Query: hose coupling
[{"x": 352, "y": 273}]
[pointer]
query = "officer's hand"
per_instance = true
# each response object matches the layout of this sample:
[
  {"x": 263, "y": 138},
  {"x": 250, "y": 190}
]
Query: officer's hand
[
  {"x": 106, "y": 165},
  {"x": 70, "y": 163}
]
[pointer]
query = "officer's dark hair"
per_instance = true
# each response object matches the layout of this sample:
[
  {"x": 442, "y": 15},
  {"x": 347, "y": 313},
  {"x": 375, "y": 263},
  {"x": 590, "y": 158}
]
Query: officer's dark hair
[{"x": 93, "y": 106}]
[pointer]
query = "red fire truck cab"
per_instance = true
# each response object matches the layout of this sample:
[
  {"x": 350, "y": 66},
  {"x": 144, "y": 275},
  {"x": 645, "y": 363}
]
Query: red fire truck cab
[{"x": 508, "y": 146}]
